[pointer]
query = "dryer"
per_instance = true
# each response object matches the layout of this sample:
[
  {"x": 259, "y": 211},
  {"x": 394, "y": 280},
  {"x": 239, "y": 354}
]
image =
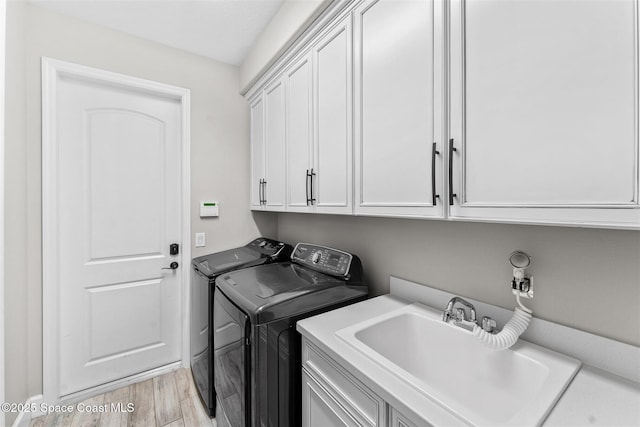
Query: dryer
[
  {"x": 205, "y": 270},
  {"x": 257, "y": 351}
]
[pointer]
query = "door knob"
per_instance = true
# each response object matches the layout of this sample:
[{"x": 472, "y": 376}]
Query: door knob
[{"x": 172, "y": 266}]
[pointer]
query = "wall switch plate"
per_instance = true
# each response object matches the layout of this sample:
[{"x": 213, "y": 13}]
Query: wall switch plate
[{"x": 200, "y": 240}]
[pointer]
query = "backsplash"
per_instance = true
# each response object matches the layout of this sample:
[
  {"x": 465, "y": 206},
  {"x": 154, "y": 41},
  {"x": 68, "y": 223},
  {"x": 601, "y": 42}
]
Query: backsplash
[{"x": 588, "y": 279}]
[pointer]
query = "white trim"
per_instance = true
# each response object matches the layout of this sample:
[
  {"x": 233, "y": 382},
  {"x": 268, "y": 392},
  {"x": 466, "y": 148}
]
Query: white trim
[
  {"x": 122, "y": 382},
  {"x": 25, "y": 416},
  {"x": 333, "y": 12},
  {"x": 34, "y": 403},
  {"x": 52, "y": 69},
  {"x": 186, "y": 227},
  {"x": 612, "y": 356},
  {"x": 3, "y": 28}
]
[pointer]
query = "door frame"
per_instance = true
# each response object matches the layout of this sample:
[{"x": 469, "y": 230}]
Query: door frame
[{"x": 52, "y": 71}]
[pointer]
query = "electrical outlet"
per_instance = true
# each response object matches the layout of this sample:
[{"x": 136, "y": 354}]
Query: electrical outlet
[
  {"x": 526, "y": 290},
  {"x": 200, "y": 240}
]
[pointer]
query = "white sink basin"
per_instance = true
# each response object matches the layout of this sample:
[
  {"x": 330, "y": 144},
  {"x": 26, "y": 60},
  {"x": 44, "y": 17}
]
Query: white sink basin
[{"x": 518, "y": 386}]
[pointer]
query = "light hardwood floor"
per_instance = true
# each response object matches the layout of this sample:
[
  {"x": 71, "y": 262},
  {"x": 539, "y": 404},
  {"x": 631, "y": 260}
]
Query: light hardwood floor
[{"x": 167, "y": 400}]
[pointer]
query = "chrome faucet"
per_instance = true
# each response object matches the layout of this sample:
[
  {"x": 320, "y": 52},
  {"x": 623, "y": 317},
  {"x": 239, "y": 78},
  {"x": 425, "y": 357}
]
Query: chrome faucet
[{"x": 460, "y": 314}]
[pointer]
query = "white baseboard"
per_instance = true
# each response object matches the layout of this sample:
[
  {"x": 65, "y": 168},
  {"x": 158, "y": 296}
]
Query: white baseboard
[
  {"x": 24, "y": 417},
  {"x": 105, "y": 388}
]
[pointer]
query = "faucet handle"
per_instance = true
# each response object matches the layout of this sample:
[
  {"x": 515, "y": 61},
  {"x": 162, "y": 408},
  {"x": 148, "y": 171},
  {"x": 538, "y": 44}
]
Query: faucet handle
[
  {"x": 461, "y": 314},
  {"x": 488, "y": 324}
]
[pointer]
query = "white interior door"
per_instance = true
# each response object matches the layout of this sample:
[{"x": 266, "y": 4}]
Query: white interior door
[{"x": 119, "y": 208}]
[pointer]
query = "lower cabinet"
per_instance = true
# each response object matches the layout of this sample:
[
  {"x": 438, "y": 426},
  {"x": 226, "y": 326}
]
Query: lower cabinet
[
  {"x": 333, "y": 397},
  {"x": 320, "y": 409}
]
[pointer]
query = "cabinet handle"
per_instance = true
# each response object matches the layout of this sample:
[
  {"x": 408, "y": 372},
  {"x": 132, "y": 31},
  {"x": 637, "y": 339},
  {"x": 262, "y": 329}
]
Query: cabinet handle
[
  {"x": 451, "y": 193},
  {"x": 434, "y": 152},
  {"x": 306, "y": 183},
  {"x": 260, "y": 191},
  {"x": 313, "y": 199},
  {"x": 264, "y": 191}
]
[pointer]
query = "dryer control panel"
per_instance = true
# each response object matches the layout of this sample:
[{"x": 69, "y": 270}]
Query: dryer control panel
[
  {"x": 267, "y": 247},
  {"x": 323, "y": 259}
]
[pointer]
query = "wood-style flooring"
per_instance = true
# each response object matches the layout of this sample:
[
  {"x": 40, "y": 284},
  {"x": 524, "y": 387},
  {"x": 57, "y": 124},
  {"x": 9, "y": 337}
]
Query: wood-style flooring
[{"x": 167, "y": 400}]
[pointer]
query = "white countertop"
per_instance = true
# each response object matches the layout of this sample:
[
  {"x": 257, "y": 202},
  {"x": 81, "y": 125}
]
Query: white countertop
[{"x": 594, "y": 397}]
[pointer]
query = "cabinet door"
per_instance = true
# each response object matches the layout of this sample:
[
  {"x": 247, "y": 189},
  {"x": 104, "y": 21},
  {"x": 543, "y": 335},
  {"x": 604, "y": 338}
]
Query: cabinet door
[
  {"x": 544, "y": 111},
  {"x": 333, "y": 122},
  {"x": 319, "y": 409},
  {"x": 398, "y": 107},
  {"x": 275, "y": 146},
  {"x": 299, "y": 135},
  {"x": 257, "y": 152}
]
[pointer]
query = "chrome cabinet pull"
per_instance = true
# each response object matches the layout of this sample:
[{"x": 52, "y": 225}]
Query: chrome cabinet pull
[
  {"x": 451, "y": 193},
  {"x": 434, "y": 152}
]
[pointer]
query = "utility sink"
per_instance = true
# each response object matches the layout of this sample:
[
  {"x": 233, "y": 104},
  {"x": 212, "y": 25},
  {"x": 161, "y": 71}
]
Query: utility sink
[{"x": 518, "y": 386}]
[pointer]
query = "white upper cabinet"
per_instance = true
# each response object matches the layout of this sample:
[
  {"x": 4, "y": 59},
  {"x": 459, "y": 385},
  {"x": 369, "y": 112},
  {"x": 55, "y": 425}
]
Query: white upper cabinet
[
  {"x": 544, "y": 111},
  {"x": 268, "y": 149},
  {"x": 298, "y": 79},
  {"x": 257, "y": 152},
  {"x": 274, "y": 146},
  {"x": 332, "y": 184},
  {"x": 399, "y": 135}
]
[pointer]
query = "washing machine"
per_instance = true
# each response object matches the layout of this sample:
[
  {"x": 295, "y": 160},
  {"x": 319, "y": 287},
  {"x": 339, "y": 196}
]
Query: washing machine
[
  {"x": 205, "y": 270},
  {"x": 257, "y": 351}
]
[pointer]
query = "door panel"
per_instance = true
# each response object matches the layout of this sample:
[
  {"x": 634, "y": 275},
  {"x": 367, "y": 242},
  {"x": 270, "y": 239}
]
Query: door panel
[
  {"x": 299, "y": 134},
  {"x": 398, "y": 60},
  {"x": 542, "y": 94},
  {"x": 397, "y": 107},
  {"x": 135, "y": 328},
  {"x": 257, "y": 152},
  {"x": 320, "y": 409},
  {"x": 333, "y": 134},
  {"x": 119, "y": 195},
  {"x": 230, "y": 357},
  {"x": 122, "y": 138},
  {"x": 274, "y": 147},
  {"x": 544, "y": 111}
]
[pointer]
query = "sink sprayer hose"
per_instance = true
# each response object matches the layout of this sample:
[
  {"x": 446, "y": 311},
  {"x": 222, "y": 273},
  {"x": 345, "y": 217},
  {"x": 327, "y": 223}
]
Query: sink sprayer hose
[{"x": 511, "y": 331}]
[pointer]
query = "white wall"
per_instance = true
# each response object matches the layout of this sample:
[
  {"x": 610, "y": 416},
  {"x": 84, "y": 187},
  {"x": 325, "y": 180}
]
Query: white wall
[
  {"x": 219, "y": 157},
  {"x": 286, "y": 25},
  {"x": 585, "y": 278},
  {"x": 15, "y": 202},
  {"x": 3, "y": 27}
]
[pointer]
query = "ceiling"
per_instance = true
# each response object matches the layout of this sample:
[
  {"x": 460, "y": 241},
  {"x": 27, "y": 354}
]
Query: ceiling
[{"x": 223, "y": 30}]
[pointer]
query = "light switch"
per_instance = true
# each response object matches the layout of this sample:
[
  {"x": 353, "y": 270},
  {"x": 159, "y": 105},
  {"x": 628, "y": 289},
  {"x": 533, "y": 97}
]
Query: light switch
[{"x": 200, "y": 240}]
